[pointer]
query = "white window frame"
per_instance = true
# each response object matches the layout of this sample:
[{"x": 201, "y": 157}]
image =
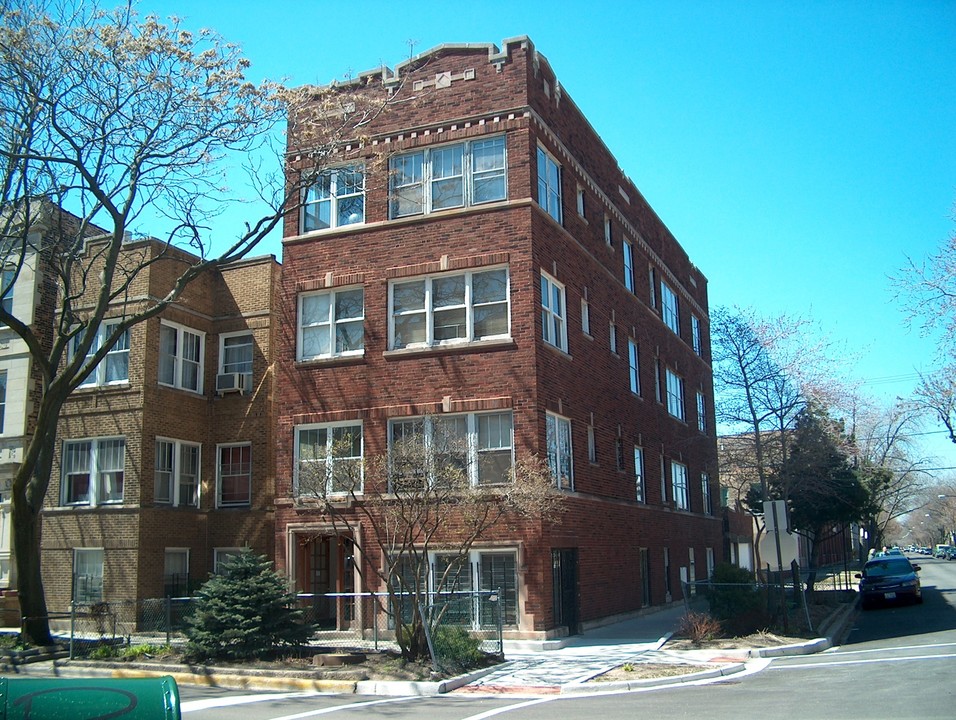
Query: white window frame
[
  {"x": 93, "y": 559},
  {"x": 585, "y": 317},
  {"x": 701, "y": 412},
  {"x": 675, "y": 394},
  {"x": 336, "y": 323},
  {"x": 696, "y": 340},
  {"x": 679, "y": 490},
  {"x": 330, "y": 459},
  {"x": 119, "y": 352},
  {"x": 3, "y": 399},
  {"x": 640, "y": 490},
  {"x": 612, "y": 337},
  {"x": 101, "y": 479},
  {"x": 177, "y": 492},
  {"x": 469, "y": 578},
  {"x": 239, "y": 477},
  {"x": 179, "y": 362},
  {"x": 179, "y": 553},
  {"x": 243, "y": 367},
  {"x": 628, "y": 254},
  {"x": 670, "y": 309},
  {"x": 634, "y": 366},
  {"x": 428, "y": 313},
  {"x": 549, "y": 185},
  {"x": 581, "y": 202},
  {"x": 554, "y": 324},
  {"x": 221, "y": 555},
  {"x": 592, "y": 446},
  {"x": 479, "y": 440},
  {"x": 428, "y": 172},
  {"x": 349, "y": 197},
  {"x": 608, "y": 231},
  {"x": 559, "y": 450},
  {"x": 706, "y": 494}
]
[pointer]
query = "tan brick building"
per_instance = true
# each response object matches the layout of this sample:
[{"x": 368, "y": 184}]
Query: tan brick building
[
  {"x": 165, "y": 455},
  {"x": 480, "y": 256}
]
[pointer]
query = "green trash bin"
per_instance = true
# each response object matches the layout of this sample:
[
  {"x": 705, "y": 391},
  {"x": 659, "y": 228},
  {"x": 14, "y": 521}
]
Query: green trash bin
[{"x": 89, "y": 699}]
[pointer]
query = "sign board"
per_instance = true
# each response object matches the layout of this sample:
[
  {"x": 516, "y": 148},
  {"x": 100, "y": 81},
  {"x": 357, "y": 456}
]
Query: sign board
[{"x": 777, "y": 536}]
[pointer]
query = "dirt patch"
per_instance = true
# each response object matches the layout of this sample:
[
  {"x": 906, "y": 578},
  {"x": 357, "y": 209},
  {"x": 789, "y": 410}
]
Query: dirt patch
[{"x": 645, "y": 671}]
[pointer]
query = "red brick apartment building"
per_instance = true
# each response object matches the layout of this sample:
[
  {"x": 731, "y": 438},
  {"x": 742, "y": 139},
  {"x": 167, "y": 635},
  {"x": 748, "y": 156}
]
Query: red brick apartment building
[
  {"x": 480, "y": 254},
  {"x": 165, "y": 455}
]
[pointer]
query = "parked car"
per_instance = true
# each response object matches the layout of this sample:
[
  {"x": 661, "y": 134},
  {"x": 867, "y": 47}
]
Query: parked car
[
  {"x": 951, "y": 553},
  {"x": 940, "y": 551},
  {"x": 889, "y": 578}
]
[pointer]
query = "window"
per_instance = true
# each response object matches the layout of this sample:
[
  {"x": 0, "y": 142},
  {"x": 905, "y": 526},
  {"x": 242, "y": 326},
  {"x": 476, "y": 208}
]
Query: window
[
  {"x": 93, "y": 471},
  {"x": 657, "y": 381},
  {"x": 235, "y": 354},
  {"x": 669, "y": 308},
  {"x": 639, "y": 474},
  {"x": 592, "y": 446},
  {"x": 328, "y": 459},
  {"x": 559, "y": 451},
  {"x": 619, "y": 453},
  {"x": 222, "y": 556},
  {"x": 495, "y": 572},
  {"x": 585, "y": 316},
  {"x": 448, "y": 176},
  {"x": 450, "y": 309},
  {"x": 177, "y": 473},
  {"x": 612, "y": 340},
  {"x": 552, "y": 312},
  {"x": 634, "y": 367},
  {"x": 479, "y": 446},
  {"x": 3, "y": 397},
  {"x": 549, "y": 185},
  {"x": 701, "y": 412},
  {"x": 628, "y": 265},
  {"x": 112, "y": 369},
  {"x": 679, "y": 485},
  {"x": 705, "y": 494},
  {"x": 675, "y": 395},
  {"x": 695, "y": 334},
  {"x": 608, "y": 235},
  {"x": 181, "y": 353},
  {"x": 652, "y": 278},
  {"x": 709, "y": 553},
  {"x": 581, "y": 202},
  {"x": 7, "y": 278},
  {"x": 331, "y": 324},
  {"x": 176, "y": 572},
  {"x": 87, "y": 575},
  {"x": 335, "y": 199},
  {"x": 234, "y": 480}
]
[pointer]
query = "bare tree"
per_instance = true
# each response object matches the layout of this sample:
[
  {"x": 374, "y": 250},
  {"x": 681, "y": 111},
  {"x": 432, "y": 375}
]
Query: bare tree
[
  {"x": 423, "y": 498},
  {"x": 108, "y": 120}
]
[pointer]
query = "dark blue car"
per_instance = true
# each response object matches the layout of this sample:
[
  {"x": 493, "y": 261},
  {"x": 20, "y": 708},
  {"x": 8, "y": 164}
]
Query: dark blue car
[{"x": 889, "y": 579}]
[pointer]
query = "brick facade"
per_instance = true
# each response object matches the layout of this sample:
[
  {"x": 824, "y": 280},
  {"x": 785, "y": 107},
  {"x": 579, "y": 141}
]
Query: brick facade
[
  {"x": 466, "y": 93},
  {"x": 135, "y": 533}
]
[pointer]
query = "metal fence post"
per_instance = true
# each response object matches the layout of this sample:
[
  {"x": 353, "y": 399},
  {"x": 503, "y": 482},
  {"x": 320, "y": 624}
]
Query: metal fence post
[
  {"x": 501, "y": 625},
  {"x": 169, "y": 620},
  {"x": 72, "y": 625}
]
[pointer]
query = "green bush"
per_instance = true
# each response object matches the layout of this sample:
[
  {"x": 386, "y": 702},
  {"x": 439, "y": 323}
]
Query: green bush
[
  {"x": 455, "y": 649},
  {"x": 736, "y": 601},
  {"x": 243, "y": 613}
]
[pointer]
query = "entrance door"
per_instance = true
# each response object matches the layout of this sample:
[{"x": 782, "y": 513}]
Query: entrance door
[
  {"x": 564, "y": 578},
  {"x": 325, "y": 573}
]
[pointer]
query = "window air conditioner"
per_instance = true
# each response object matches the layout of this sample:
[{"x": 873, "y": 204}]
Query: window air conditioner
[{"x": 230, "y": 382}]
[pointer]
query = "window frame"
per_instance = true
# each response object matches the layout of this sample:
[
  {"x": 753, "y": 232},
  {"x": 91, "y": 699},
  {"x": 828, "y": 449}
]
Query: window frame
[
  {"x": 221, "y": 555},
  {"x": 558, "y": 430},
  {"x": 179, "y": 366},
  {"x": 330, "y": 459},
  {"x": 333, "y": 322},
  {"x": 98, "y": 555},
  {"x": 430, "y": 312},
  {"x": 549, "y": 185},
  {"x": 96, "y": 474},
  {"x": 674, "y": 385},
  {"x": 701, "y": 412},
  {"x": 8, "y": 283},
  {"x": 177, "y": 488},
  {"x": 554, "y": 324},
  {"x": 334, "y": 198},
  {"x": 473, "y": 442},
  {"x": 707, "y": 496},
  {"x": 236, "y": 477},
  {"x": 639, "y": 476},
  {"x": 183, "y": 586},
  {"x": 429, "y": 174},
  {"x": 695, "y": 335},
  {"x": 3, "y": 399},
  {"x": 474, "y": 574},
  {"x": 585, "y": 317},
  {"x": 670, "y": 308},
  {"x": 99, "y": 376},
  {"x": 634, "y": 366},
  {"x": 679, "y": 489},
  {"x": 628, "y": 260}
]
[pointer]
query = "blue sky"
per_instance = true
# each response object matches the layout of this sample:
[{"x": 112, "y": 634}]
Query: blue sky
[{"x": 798, "y": 151}]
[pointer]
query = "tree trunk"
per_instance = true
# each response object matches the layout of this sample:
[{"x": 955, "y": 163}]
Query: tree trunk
[{"x": 26, "y": 546}]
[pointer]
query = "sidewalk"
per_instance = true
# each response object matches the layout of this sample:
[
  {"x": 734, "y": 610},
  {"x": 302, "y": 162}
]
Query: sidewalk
[{"x": 532, "y": 668}]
